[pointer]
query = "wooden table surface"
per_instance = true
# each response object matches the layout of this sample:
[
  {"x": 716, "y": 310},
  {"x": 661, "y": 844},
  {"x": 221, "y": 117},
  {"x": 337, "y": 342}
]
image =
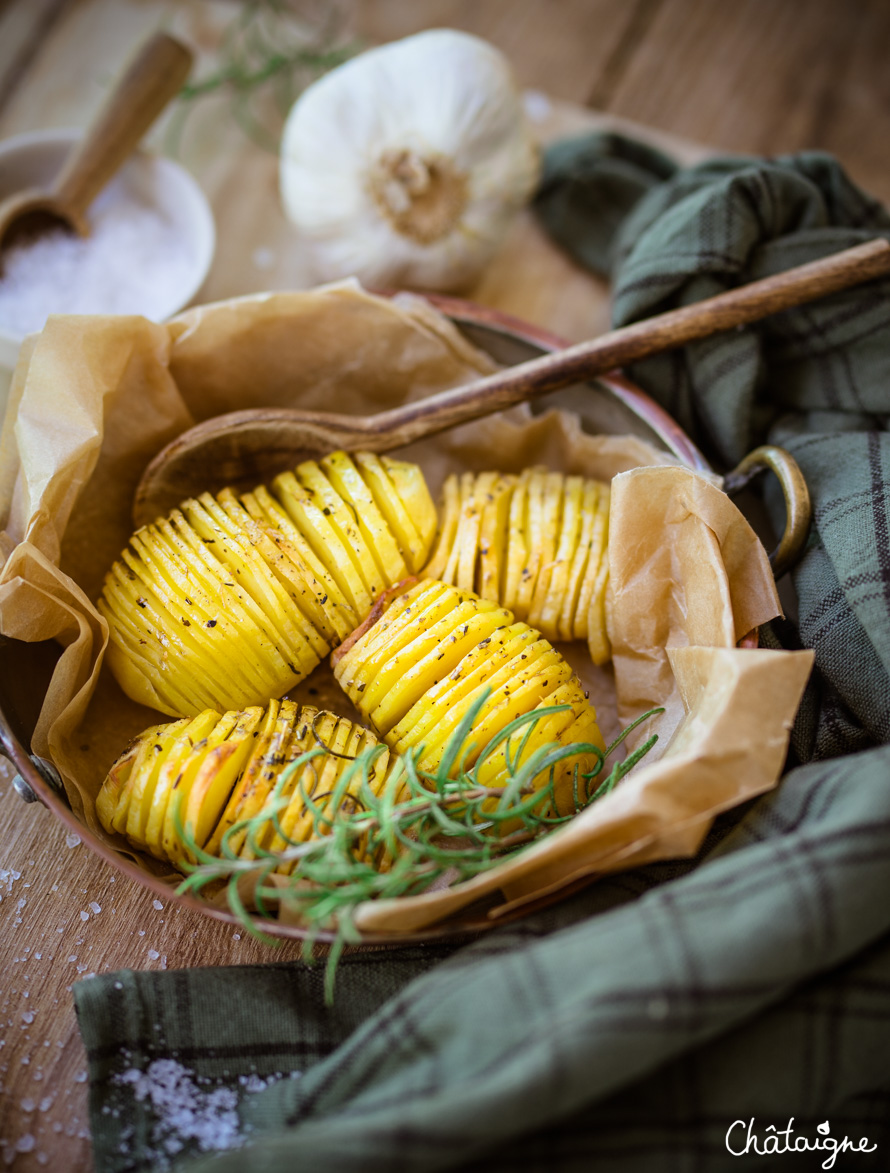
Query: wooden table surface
[{"x": 762, "y": 76}]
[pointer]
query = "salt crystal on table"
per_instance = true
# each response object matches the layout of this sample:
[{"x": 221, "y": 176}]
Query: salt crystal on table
[
  {"x": 134, "y": 261},
  {"x": 157, "y": 905},
  {"x": 72, "y": 839},
  {"x": 95, "y": 906}
]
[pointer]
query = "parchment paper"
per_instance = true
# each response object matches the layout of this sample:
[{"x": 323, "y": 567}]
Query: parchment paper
[{"x": 94, "y": 398}]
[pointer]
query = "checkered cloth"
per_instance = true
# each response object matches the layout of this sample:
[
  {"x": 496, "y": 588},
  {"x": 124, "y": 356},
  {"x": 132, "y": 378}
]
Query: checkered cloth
[{"x": 666, "y": 1018}]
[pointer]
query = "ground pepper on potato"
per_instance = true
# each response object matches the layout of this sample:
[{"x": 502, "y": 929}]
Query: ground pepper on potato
[{"x": 232, "y": 600}]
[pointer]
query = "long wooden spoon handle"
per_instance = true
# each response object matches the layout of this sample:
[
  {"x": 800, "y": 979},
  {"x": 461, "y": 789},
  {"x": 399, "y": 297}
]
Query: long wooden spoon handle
[
  {"x": 748, "y": 303},
  {"x": 152, "y": 78}
]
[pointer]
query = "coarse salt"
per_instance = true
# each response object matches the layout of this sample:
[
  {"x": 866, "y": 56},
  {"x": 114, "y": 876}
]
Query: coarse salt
[
  {"x": 183, "y": 1112},
  {"x": 134, "y": 261}
]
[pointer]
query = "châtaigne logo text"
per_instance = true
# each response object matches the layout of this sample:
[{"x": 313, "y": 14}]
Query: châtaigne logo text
[{"x": 743, "y": 1138}]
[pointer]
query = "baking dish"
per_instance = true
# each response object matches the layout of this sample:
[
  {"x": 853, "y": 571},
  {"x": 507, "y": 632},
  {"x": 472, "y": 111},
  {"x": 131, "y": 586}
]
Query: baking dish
[{"x": 611, "y": 405}]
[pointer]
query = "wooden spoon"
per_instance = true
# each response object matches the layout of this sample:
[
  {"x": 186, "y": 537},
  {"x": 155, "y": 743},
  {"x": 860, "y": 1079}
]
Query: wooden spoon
[
  {"x": 153, "y": 77},
  {"x": 244, "y": 448}
]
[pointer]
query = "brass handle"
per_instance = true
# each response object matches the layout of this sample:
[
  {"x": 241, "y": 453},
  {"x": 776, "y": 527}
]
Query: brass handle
[{"x": 798, "y": 507}]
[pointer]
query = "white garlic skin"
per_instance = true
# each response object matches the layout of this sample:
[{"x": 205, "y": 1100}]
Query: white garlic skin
[{"x": 406, "y": 165}]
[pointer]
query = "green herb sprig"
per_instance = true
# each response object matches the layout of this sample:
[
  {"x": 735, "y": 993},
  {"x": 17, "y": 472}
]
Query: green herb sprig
[
  {"x": 266, "y": 59},
  {"x": 371, "y": 846}
]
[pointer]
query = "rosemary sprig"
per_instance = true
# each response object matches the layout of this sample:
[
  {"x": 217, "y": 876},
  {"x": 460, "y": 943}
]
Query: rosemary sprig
[
  {"x": 422, "y": 829},
  {"x": 267, "y": 58}
]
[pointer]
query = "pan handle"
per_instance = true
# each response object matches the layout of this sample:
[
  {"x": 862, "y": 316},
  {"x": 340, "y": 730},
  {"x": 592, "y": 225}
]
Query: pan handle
[{"x": 798, "y": 506}]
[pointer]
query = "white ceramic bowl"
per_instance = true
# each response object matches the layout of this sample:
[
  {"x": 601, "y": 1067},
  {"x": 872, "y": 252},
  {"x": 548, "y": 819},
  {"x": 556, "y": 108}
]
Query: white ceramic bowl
[{"x": 34, "y": 159}]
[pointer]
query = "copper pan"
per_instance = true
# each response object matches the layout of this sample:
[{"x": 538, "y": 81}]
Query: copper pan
[{"x": 610, "y": 404}]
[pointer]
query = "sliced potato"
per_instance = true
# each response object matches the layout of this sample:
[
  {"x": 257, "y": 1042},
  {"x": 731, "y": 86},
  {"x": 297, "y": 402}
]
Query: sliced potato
[
  {"x": 151, "y": 828},
  {"x": 252, "y": 789},
  {"x": 411, "y": 489},
  {"x": 343, "y": 518},
  {"x": 449, "y": 516},
  {"x": 417, "y": 697},
  {"x": 346, "y": 479},
  {"x": 589, "y": 510},
  {"x": 533, "y": 543},
  {"x": 309, "y": 517},
  {"x": 493, "y": 539},
  {"x": 325, "y": 603},
  {"x": 239, "y": 599}
]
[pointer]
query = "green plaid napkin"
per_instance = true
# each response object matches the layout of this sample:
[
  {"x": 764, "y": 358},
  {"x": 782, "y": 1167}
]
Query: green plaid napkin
[{"x": 681, "y": 1015}]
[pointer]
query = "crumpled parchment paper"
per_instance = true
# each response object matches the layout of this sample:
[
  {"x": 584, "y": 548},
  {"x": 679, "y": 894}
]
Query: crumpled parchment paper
[{"x": 94, "y": 398}]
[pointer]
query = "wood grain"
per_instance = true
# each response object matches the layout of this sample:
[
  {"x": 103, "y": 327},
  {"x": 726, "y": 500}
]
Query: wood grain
[
  {"x": 23, "y": 27},
  {"x": 767, "y": 77},
  {"x": 560, "y": 48}
]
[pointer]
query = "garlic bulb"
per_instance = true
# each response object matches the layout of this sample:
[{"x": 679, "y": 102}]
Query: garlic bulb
[{"x": 405, "y": 165}]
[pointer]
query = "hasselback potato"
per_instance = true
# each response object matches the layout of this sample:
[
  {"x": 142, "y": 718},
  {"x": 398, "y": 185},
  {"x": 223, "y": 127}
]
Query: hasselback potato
[
  {"x": 427, "y": 653},
  {"x": 218, "y": 769},
  {"x": 234, "y": 599},
  {"x": 535, "y": 543}
]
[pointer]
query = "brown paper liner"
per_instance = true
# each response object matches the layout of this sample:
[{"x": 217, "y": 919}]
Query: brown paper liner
[{"x": 94, "y": 398}]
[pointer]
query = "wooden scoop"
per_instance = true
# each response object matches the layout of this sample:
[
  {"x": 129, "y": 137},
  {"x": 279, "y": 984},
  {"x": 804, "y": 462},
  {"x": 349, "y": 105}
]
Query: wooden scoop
[
  {"x": 154, "y": 76},
  {"x": 244, "y": 448}
]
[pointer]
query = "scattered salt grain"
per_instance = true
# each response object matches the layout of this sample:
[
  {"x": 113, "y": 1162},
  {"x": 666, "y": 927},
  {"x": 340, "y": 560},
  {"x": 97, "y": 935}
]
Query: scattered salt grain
[
  {"x": 28, "y": 1106},
  {"x": 84, "y": 915},
  {"x": 96, "y": 908},
  {"x": 183, "y": 1112},
  {"x": 81, "y": 1077},
  {"x": 538, "y": 106},
  {"x": 133, "y": 262},
  {"x": 157, "y": 905},
  {"x": 153, "y": 955},
  {"x": 25, "y": 1143},
  {"x": 72, "y": 839},
  {"x": 28, "y": 1016},
  {"x": 46, "y": 1103}
]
